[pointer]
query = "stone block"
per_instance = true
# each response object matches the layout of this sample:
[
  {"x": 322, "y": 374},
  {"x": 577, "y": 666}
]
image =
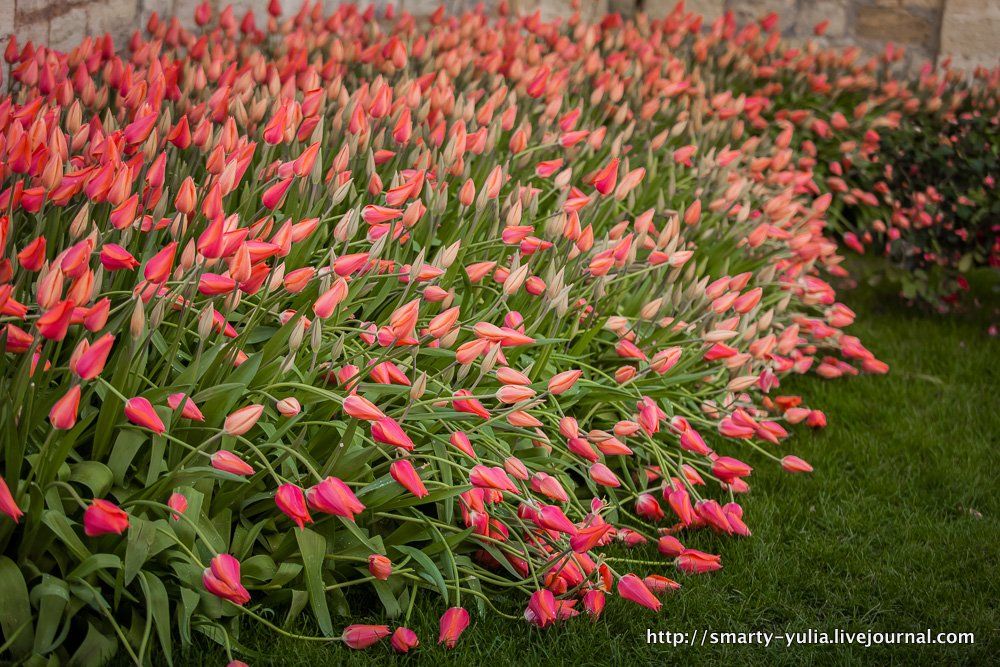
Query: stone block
[
  {"x": 116, "y": 17},
  {"x": 970, "y": 33},
  {"x": 812, "y": 13},
  {"x": 887, "y": 24},
  {"x": 6, "y": 20},
  {"x": 67, "y": 29},
  {"x": 710, "y": 9}
]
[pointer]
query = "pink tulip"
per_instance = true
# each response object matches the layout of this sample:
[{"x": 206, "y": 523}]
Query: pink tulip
[
  {"x": 333, "y": 496},
  {"x": 189, "y": 411},
  {"x": 7, "y": 504},
  {"x": 363, "y": 636},
  {"x": 91, "y": 363},
  {"x": 242, "y": 420},
  {"x": 102, "y": 517},
  {"x": 669, "y": 546},
  {"x": 290, "y": 499},
  {"x": 179, "y": 504},
  {"x": 140, "y": 412},
  {"x": 222, "y": 579},
  {"x": 541, "y": 609},
  {"x": 64, "y": 411},
  {"x": 453, "y": 624},
  {"x": 633, "y": 589},
  {"x": 288, "y": 407},
  {"x": 360, "y": 407},
  {"x": 387, "y": 431},
  {"x": 226, "y": 461},
  {"x": 564, "y": 381},
  {"x": 593, "y": 602},
  {"x": 693, "y": 561},
  {"x": 404, "y": 640},
  {"x": 795, "y": 464},
  {"x": 403, "y": 472}
]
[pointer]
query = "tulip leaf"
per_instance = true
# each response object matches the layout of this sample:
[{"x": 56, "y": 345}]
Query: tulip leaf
[
  {"x": 96, "y": 649},
  {"x": 94, "y": 475},
  {"x": 15, "y": 612},
  {"x": 313, "y": 549},
  {"x": 159, "y": 604},
  {"x": 139, "y": 542},
  {"x": 185, "y": 610},
  {"x": 59, "y": 524},
  {"x": 388, "y": 599},
  {"x": 94, "y": 563},
  {"x": 431, "y": 571}
]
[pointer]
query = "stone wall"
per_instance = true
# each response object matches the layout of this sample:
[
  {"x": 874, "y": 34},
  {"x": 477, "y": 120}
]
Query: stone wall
[{"x": 966, "y": 30}]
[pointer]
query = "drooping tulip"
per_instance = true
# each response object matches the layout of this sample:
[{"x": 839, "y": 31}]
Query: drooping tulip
[
  {"x": 222, "y": 579},
  {"x": 226, "y": 461},
  {"x": 141, "y": 412},
  {"x": 333, "y": 496},
  {"x": 290, "y": 499},
  {"x": 453, "y": 624},
  {"x": 103, "y": 517},
  {"x": 404, "y": 640},
  {"x": 7, "y": 503},
  {"x": 404, "y": 473},
  {"x": 633, "y": 589},
  {"x": 363, "y": 636}
]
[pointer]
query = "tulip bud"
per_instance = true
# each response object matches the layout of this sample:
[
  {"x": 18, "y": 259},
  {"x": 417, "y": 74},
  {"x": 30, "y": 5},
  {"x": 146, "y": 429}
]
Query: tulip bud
[
  {"x": 242, "y": 420},
  {"x": 379, "y": 566},
  {"x": 138, "y": 321}
]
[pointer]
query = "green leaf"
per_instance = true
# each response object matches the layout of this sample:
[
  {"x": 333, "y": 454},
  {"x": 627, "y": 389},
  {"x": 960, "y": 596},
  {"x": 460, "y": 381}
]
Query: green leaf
[
  {"x": 51, "y": 597},
  {"x": 141, "y": 535},
  {"x": 433, "y": 574},
  {"x": 385, "y": 595},
  {"x": 185, "y": 610},
  {"x": 94, "y": 475},
  {"x": 313, "y": 548},
  {"x": 97, "y": 649},
  {"x": 159, "y": 604},
  {"x": 15, "y": 612}
]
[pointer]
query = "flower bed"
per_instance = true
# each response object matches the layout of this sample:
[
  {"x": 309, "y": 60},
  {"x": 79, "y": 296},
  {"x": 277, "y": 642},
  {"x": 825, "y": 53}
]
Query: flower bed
[{"x": 297, "y": 306}]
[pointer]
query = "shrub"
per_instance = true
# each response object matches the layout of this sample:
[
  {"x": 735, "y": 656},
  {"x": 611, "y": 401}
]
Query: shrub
[
  {"x": 338, "y": 304},
  {"x": 933, "y": 206}
]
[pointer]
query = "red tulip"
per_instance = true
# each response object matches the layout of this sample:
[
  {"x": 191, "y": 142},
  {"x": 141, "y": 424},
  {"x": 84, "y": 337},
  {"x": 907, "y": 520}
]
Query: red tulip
[
  {"x": 7, "y": 504},
  {"x": 102, "y": 517},
  {"x": 379, "y": 566}
]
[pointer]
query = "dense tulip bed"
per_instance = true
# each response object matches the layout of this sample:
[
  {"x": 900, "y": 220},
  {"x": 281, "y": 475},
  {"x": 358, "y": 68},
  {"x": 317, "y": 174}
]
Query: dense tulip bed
[{"x": 301, "y": 310}]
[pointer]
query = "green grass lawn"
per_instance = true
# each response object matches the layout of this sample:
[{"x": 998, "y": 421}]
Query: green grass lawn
[{"x": 898, "y": 529}]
